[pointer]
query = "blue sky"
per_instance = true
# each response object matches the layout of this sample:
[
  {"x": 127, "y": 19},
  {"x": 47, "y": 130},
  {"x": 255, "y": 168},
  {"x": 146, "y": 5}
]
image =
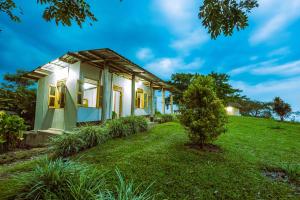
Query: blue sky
[{"x": 166, "y": 37}]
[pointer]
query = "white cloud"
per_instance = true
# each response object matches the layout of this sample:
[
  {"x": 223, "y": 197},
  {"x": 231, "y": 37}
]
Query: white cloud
[
  {"x": 288, "y": 89},
  {"x": 291, "y": 68},
  {"x": 167, "y": 66},
  {"x": 275, "y": 16},
  {"x": 249, "y": 68},
  {"x": 144, "y": 54},
  {"x": 279, "y": 52},
  {"x": 190, "y": 41},
  {"x": 181, "y": 18}
]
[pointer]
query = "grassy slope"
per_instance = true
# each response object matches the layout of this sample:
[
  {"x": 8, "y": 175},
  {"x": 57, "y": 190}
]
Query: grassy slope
[{"x": 182, "y": 173}]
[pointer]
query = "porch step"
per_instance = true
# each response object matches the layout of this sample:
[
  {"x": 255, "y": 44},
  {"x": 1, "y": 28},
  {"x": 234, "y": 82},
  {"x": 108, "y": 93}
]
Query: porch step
[{"x": 40, "y": 138}]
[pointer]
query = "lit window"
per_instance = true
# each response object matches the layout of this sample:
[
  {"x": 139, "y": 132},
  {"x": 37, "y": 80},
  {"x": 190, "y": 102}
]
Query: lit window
[
  {"x": 139, "y": 101},
  {"x": 90, "y": 93},
  {"x": 52, "y": 96},
  {"x": 61, "y": 94}
]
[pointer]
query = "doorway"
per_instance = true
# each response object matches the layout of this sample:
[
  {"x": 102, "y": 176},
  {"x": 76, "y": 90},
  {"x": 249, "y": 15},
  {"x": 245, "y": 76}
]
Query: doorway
[{"x": 117, "y": 101}]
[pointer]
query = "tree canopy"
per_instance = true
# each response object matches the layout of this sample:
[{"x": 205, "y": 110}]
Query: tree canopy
[
  {"x": 281, "y": 108},
  {"x": 18, "y": 95},
  {"x": 218, "y": 16},
  {"x": 224, "y": 91}
]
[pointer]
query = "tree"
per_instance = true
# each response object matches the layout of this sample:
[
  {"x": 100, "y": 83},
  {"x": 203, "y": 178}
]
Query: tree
[
  {"x": 181, "y": 81},
  {"x": 281, "y": 108},
  {"x": 18, "y": 95},
  {"x": 255, "y": 108},
  {"x": 224, "y": 90},
  {"x": 218, "y": 16},
  {"x": 224, "y": 16},
  {"x": 202, "y": 112}
]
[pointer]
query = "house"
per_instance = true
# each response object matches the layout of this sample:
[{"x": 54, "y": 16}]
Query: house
[
  {"x": 92, "y": 86},
  {"x": 233, "y": 109}
]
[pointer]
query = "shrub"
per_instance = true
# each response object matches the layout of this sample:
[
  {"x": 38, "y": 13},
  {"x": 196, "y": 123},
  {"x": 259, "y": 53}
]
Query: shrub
[
  {"x": 135, "y": 123},
  {"x": 163, "y": 118},
  {"x": 66, "y": 144},
  {"x": 117, "y": 128},
  {"x": 125, "y": 126},
  {"x": 202, "y": 112},
  {"x": 11, "y": 130},
  {"x": 92, "y": 135},
  {"x": 126, "y": 191},
  {"x": 81, "y": 138},
  {"x": 61, "y": 180}
]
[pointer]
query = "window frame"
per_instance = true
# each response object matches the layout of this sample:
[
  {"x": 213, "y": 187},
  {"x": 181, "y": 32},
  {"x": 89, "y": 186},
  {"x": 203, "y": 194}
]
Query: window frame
[
  {"x": 60, "y": 83},
  {"x": 51, "y": 96}
]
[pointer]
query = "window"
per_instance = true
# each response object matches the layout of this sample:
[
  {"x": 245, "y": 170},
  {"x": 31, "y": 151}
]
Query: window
[
  {"x": 52, "y": 96},
  {"x": 139, "y": 101},
  {"x": 87, "y": 95},
  {"x": 61, "y": 94}
]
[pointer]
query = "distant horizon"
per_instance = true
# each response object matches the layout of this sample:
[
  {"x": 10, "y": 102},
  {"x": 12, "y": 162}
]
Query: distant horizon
[{"x": 166, "y": 37}]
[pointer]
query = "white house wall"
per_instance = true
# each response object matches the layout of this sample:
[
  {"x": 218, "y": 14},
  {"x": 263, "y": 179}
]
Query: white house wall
[{"x": 62, "y": 118}]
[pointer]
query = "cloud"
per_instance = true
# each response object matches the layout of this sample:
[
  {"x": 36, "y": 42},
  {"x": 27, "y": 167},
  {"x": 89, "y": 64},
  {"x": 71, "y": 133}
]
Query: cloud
[
  {"x": 276, "y": 16},
  {"x": 249, "y": 68},
  {"x": 144, "y": 54},
  {"x": 181, "y": 18},
  {"x": 288, "y": 89},
  {"x": 167, "y": 66},
  {"x": 190, "y": 41},
  {"x": 279, "y": 52},
  {"x": 287, "y": 69}
]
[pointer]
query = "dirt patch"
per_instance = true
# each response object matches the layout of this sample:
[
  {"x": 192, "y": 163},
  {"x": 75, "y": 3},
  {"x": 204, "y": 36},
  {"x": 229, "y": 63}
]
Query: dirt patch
[
  {"x": 278, "y": 174},
  {"x": 205, "y": 147},
  {"x": 21, "y": 154}
]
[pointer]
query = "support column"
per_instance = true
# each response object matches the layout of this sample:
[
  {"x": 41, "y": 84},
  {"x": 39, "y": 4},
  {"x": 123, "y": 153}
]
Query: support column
[
  {"x": 105, "y": 94},
  {"x": 132, "y": 94},
  {"x": 163, "y": 100},
  {"x": 171, "y": 102},
  {"x": 151, "y": 101}
]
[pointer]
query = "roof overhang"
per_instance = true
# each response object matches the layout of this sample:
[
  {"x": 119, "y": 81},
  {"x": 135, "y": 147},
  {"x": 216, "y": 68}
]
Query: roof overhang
[{"x": 98, "y": 58}]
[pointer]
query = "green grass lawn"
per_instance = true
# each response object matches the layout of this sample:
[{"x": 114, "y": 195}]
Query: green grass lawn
[{"x": 178, "y": 172}]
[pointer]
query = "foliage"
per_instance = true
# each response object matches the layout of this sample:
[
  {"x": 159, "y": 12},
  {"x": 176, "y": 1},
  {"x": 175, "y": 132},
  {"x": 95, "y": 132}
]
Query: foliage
[
  {"x": 60, "y": 179},
  {"x": 125, "y": 126},
  {"x": 7, "y": 6},
  {"x": 224, "y": 90},
  {"x": 163, "y": 118},
  {"x": 181, "y": 82},
  {"x": 218, "y": 16},
  {"x": 255, "y": 108},
  {"x": 281, "y": 108},
  {"x": 82, "y": 138},
  {"x": 178, "y": 172},
  {"x": 202, "y": 112},
  {"x": 126, "y": 191},
  {"x": 18, "y": 95},
  {"x": 92, "y": 135},
  {"x": 66, "y": 144},
  {"x": 224, "y": 16},
  {"x": 11, "y": 130}
]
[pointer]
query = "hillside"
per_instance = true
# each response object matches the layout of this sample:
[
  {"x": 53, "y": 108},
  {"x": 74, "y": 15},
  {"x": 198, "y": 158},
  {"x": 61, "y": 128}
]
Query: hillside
[{"x": 249, "y": 148}]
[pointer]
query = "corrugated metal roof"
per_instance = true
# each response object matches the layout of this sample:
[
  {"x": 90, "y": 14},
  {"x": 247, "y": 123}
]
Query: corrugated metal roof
[{"x": 100, "y": 57}]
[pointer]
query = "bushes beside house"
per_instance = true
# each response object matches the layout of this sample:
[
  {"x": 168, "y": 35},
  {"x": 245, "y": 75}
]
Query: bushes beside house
[
  {"x": 88, "y": 136},
  {"x": 60, "y": 179},
  {"x": 11, "y": 131},
  {"x": 163, "y": 118}
]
